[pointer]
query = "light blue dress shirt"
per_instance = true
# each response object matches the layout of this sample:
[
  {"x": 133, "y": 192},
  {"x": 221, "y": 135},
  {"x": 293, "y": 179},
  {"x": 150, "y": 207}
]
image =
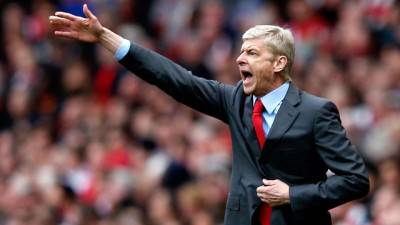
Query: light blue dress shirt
[
  {"x": 122, "y": 49},
  {"x": 272, "y": 102}
]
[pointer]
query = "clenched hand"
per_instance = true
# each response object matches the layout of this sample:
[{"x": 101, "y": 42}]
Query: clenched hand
[{"x": 274, "y": 192}]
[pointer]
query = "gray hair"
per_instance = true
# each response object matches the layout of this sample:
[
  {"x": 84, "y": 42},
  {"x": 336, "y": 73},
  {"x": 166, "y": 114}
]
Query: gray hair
[{"x": 278, "y": 39}]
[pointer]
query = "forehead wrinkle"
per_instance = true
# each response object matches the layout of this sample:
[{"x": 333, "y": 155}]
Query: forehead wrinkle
[{"x": 246, "y": 48}]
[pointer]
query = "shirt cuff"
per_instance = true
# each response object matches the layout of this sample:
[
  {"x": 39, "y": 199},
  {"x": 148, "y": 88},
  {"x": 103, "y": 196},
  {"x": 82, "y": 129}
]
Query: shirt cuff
[{"x": 122, "y": 50}]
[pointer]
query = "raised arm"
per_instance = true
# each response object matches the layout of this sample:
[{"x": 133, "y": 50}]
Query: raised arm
[{"x": 207, "y": 96}]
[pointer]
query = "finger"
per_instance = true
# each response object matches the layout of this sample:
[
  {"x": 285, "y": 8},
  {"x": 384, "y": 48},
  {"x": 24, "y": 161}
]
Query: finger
[
  {"x": 264, "y": 199},
  {"x": 66, "y": 34},
  {"x": 59, "y": 20},
  {"x": 261, "y": 189},
  {"x": 268, "y": 182},
  {"x": 269, "y": 190},
  {"x": 68, "y": 16},
  {"x": 268, "y": 201},
  {"x": 87, "y": 12},
  {"x": 266, "y": 195}
]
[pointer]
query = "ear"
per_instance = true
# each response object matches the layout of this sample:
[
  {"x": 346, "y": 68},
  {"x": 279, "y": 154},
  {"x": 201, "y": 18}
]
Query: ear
[{"x": 280, "y": 63}]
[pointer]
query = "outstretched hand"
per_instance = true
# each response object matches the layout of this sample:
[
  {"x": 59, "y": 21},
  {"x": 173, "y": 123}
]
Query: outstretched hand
[{"x": 86, "y": 29}]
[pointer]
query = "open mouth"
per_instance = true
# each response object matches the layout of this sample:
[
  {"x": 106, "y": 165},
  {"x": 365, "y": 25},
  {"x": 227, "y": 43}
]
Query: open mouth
[{"x": 246, "y": 76}]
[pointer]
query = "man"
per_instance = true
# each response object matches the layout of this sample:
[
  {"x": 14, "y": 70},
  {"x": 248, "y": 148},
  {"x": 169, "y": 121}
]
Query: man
[{"x": 284, "y": 140}]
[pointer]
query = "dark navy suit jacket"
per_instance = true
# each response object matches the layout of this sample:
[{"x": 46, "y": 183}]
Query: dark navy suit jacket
[{"x": 305, "y": 140}]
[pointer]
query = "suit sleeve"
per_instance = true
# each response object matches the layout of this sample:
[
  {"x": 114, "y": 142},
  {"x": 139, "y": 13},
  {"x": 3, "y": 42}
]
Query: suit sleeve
[
  {"x": 207, "y": 96},
  {"x": 350, "y": 180}
]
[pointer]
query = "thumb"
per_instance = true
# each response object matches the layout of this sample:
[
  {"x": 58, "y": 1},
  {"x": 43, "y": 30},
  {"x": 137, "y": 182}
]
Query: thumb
[
  {"x": 268, "y": 182},
  {"x": 87, "y": 12}
]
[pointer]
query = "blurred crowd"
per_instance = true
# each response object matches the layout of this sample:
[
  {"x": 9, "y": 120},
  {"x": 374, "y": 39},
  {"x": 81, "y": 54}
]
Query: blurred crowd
[{"x": 85, "y": 142}]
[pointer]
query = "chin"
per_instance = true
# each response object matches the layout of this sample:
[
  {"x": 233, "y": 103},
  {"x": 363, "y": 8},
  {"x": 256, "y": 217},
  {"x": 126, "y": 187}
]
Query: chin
[{"x": 248, "y": 91}]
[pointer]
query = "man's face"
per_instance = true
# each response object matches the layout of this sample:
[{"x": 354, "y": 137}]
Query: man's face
[{"x": 256, "y": 66}]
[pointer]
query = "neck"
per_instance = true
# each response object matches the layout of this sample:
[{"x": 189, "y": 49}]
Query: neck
[{"x": 274, "y": 85}]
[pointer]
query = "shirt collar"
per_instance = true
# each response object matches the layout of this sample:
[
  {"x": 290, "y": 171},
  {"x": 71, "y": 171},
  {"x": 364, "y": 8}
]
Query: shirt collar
[{"x": 271, "y": 100}]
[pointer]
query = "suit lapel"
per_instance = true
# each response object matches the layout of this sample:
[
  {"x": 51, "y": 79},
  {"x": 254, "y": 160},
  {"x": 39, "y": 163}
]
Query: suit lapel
[
  {"x": 249, "y": 127},
  {"x": 284, "y": 119}
]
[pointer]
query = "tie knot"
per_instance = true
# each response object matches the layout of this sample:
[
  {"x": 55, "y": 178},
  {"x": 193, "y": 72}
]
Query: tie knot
[{"x": 258, "y": 107}]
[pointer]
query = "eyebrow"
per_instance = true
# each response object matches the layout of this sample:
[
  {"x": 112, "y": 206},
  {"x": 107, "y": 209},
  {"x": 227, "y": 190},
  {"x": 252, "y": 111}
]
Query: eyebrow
[{"x": 249, "y": 49}]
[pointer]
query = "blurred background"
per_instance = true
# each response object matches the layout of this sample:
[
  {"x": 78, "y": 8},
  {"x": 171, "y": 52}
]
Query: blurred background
[{"x": 84, "y": 142}]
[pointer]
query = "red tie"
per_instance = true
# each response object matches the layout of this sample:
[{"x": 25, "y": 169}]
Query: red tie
[
  {"x": 258, "y": 122},
  {"x": 265, "y": 210}
]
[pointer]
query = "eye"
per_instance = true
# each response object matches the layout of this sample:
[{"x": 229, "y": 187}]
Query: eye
[{"x": 252, "y": 52}]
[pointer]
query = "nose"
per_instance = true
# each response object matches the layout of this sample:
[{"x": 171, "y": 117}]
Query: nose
[{"x": 241, "y": 59}]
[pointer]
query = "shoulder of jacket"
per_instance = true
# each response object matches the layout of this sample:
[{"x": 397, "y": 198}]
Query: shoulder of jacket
[{"x": 313, "y": 102}]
